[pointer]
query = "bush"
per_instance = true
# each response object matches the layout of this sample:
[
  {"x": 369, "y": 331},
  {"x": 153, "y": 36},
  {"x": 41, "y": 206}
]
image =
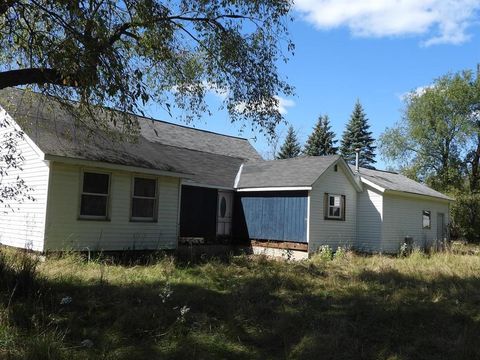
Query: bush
[{"x": 465, "y": 213}]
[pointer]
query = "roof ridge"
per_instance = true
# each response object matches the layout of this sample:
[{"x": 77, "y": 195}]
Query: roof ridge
[
  {"x": 301, "y": 157},
  {"x": 378, "y": 170}
]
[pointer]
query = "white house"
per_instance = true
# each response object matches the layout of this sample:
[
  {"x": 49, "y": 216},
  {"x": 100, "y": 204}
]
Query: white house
[
  {"x": 97, "y": 190},
  {"x": 369, "y": 210}
]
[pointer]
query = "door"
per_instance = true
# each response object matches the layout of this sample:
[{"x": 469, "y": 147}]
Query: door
[
  {"x": 224, "y": 213},
  {"x": 441, "y": 230}
]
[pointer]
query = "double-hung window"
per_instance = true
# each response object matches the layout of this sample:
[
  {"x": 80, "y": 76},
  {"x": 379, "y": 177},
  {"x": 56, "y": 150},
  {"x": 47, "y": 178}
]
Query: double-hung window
[
  {"x": 144, "y": 199},
  {"x": 426, "y": 219},
  {"x": 95, "y": 194},
  {"x": 334, "y": 207}
]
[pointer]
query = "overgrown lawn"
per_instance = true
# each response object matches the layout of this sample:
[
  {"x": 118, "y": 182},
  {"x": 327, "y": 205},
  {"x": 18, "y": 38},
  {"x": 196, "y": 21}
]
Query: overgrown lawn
[{"x": 351, "y": 307}]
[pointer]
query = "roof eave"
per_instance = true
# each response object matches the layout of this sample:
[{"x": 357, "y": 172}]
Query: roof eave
[
  {"x": 274, "y": 188},
  {"x": 416, "y": 195},
  {"x": 113, "y": 166}
]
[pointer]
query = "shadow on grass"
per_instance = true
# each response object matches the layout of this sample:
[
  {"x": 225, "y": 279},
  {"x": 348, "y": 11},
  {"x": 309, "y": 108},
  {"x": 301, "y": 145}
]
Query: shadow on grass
[{"x": 270, "y": 312}]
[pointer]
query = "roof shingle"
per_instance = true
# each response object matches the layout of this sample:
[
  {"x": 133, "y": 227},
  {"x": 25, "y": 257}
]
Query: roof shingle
[{"x": 205, "y": 157}]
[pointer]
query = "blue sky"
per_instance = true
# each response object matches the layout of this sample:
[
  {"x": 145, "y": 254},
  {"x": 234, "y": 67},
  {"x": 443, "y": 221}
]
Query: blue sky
[{"x": 371, "y": 50}]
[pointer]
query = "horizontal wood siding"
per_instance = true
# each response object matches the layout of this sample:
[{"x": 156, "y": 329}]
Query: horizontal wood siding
[
  {"x": 23, "y": 225},
  {"x": 369, "y": 220},
  {"x": 280, "y": 216},
  {"x": 403, "y": 217},
  {"x": 65, "y": 231},
  {"x": 323, "y": 231}
]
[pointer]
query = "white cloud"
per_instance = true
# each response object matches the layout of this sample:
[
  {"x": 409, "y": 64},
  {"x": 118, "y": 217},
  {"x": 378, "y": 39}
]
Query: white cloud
[
  {"x": 282, "y": 105},
  {"x": 439, "y": 21},
  {"x": 209, "y": 87},
  {"x": 415, "y": 92}
]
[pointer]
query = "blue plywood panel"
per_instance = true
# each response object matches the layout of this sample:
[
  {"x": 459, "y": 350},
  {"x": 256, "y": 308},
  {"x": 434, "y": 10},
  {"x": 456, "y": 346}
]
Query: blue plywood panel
[{"x": 274, "y": 216}]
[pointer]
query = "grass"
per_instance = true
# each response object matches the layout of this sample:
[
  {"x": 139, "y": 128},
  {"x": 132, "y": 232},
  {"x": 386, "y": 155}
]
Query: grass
[{"x": 351, "y": 307}]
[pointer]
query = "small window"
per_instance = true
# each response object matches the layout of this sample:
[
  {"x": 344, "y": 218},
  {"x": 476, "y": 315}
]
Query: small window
[
  {"x": 95, "y": 193},
  {"x": 335, "y": 168},
  {"x": 144, "y": 199},
  {"x": 334, "y": 207},
  {"x": 426, "y": 219}
]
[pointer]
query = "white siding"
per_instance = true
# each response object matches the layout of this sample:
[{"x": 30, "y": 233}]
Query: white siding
[
  {"x": 334, "y": 233},
  {"x": 65, "y": 231},
  {"x": 403, "y": 217},
  {"x": 23, "y": 225},
  {"x": 369, "y": 220}
]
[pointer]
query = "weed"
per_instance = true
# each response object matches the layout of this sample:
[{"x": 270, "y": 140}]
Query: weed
[{"x": 415, "y": 306}]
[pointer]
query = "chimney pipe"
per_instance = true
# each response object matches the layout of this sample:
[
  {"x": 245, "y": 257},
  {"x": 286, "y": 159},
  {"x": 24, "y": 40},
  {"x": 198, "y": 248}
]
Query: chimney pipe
[{"x": 357, "y": 159}]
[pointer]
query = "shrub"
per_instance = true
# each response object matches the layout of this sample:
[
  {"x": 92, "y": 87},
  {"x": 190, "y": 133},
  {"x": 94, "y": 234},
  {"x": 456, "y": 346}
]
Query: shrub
[
  {"x": 465, "y": 213},
  {"x": 325, "y": 252}
]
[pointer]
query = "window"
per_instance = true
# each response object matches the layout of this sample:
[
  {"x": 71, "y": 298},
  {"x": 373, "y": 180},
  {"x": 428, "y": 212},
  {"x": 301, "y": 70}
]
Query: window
[
  {"x": 95, "y": 193},
  {"x": 426, "y": 219},
  {"x": 144, "y": 199},
  {"x": 334, "y": 207}
]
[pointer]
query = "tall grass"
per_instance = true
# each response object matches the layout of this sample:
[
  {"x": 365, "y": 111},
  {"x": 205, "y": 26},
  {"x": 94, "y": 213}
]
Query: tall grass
[{"x": 341, "y": 306}]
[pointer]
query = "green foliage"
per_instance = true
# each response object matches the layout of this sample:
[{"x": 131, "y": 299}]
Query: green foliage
[
  {"x": 438, "y": 142},
  {"x": 322, "y": 140},
  {"x": 325, "y": 253},
  {"x": 290, "y": 147},
  {"x": 438, "y": 134},
  {"x": 465, "y": 212},
  {"x": 123, "y": 55},
  {"x": 358, "y": 136}
]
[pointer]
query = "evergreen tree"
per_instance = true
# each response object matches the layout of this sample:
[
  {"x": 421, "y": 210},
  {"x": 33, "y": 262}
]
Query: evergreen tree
[
  {"x": 322, "y": 140},
  {"x": 357, "y": 136},
  {"x": 291, "y": 146}
]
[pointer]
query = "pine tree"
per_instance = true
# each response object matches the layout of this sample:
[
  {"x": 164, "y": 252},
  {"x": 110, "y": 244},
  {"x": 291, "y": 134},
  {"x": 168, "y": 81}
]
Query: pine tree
[
  {"x": 322, "y": 140},
  {"x": 357, "y": 136},
  {"x": 291, "y": 146}
]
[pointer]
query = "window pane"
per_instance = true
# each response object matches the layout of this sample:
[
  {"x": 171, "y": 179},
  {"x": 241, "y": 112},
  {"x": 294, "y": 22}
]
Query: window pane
[
  {"x": 332, "y": 200},
  {"x": 426, "y": 219},
  {"x": 143, "y": 208},
  {"x": 334, "y": 212},
  {"x": 93, "y": 205},
  {"x": 95, "y": 183},
  {"x": 144, "y": 187}
]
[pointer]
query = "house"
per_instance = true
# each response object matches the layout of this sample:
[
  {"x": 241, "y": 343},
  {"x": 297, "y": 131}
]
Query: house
[
  {"x": 99, "y": 189},
  {"x": 392, "y": 207},
  {"x": 315, "y": 201}
]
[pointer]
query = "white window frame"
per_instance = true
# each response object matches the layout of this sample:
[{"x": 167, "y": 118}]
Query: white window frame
[
  {"x": 341, "y": 215},
  {"x": 429, "y": 219},
  {"x": 154, "y": 198},
  {"x": 107, "y": 195}
]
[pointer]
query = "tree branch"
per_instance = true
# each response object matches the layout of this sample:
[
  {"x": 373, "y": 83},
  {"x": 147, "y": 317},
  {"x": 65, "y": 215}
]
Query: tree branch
[
  {"x": 35, "y": 76},
  {"x": 5, "y": 5}
]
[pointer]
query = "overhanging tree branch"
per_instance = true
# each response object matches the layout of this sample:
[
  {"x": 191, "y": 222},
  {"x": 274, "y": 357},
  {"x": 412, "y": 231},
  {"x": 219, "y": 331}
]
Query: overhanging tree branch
[{"x": 35, "y": 76}]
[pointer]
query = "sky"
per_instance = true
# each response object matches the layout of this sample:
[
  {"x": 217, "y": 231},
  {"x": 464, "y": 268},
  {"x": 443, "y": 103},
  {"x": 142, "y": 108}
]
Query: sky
[{"x": 375, "y": 51}]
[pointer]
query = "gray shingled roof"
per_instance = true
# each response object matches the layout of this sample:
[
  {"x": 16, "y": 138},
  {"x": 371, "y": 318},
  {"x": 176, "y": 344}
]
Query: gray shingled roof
[
  {"x": 205, "y": 157},
  {"x": 300, "y": 171},
  {"x": 397, "y": 182}
]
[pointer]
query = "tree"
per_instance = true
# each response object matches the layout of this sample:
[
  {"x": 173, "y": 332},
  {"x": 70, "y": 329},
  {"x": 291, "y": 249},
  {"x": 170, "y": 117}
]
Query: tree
[
  {"x": 291, "y": 146},
  {"x": 438, "y": 136},
  {"x": 125, "y": 54},
  {"x": 356, "y": 136},
  {"x": 438, "y": 141},
  {"x": 322, "y": 140}
]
